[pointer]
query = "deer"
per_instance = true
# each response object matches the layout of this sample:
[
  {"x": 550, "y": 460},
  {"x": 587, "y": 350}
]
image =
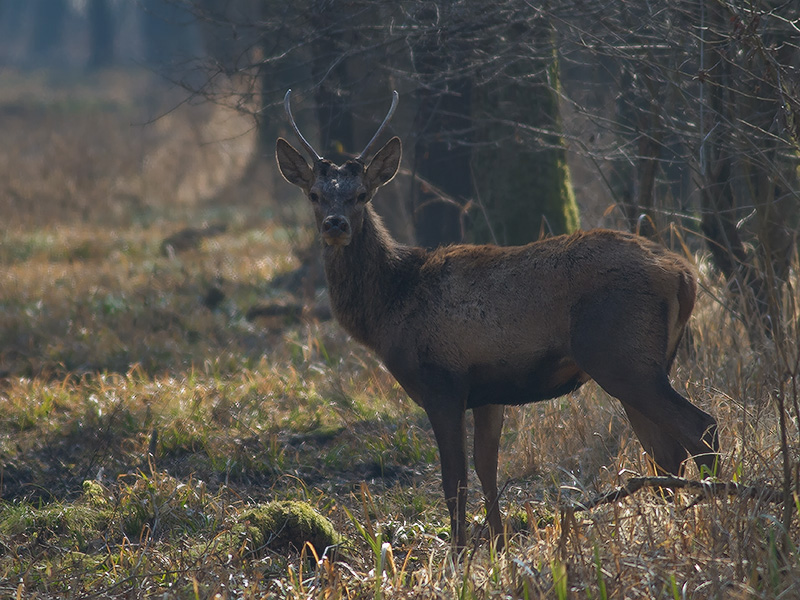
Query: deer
[{"x": 477, "y": 327}]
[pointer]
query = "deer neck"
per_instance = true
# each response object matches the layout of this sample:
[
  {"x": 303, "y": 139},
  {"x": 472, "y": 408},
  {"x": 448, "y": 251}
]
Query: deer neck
[{"x": 362, "y": 282}]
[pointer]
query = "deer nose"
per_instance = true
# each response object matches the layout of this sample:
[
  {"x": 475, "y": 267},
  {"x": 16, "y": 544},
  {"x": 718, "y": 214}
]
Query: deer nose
[{"x": 336, "y": 222}]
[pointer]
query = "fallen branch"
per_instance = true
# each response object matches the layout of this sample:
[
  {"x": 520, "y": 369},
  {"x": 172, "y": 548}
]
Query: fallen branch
[{"x": 706, "y": 488}]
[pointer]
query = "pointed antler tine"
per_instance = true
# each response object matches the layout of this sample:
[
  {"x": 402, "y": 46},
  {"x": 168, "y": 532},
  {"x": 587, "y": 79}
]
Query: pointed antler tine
[
  {"x": 365, "y": 151},
  {"x": 303, "y": 141}
]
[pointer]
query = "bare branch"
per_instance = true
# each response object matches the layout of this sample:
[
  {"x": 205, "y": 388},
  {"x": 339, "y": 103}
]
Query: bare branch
[{"x": 707, "y": 489}]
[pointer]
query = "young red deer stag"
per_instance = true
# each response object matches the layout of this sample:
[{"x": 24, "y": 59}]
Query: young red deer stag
[{"x": 478, "y": 327}]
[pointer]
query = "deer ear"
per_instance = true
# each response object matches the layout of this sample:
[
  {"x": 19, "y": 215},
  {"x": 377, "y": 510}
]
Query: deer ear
[
  {"x": 384, "y": 166},
  {"x": 292, "y": 165}
]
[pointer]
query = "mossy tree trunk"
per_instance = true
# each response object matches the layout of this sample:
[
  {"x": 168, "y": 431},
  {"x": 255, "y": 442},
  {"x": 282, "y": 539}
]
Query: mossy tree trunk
[{"x": 520, "y": 164}]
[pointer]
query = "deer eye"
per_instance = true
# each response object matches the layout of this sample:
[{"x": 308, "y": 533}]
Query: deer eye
[
  {"x": 314, "y": 197},
  {"x": 361, "y": 197}
]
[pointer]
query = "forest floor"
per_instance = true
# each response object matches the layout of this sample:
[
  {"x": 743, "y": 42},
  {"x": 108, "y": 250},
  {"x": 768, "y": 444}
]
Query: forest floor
[{"x": 150, "y": 416}]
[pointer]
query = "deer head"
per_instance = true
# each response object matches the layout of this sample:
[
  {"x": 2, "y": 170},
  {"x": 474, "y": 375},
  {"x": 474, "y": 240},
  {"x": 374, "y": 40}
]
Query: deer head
[{"x": 338, "y": 194}]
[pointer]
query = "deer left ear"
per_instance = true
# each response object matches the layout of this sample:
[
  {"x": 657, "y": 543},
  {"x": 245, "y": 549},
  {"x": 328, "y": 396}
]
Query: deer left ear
[
  {"x": 384, "y": 166},
  {"x": 293, "y": 167}
]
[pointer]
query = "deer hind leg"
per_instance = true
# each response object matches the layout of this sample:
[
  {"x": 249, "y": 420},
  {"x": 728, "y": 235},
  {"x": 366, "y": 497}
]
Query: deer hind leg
[
  {"x": 666, "y": 423},
  {"x": 488, "y": 425},
  {"x": 664, "y": 450},
  {"x": 626, "y": 353},
  {"x": 699, "y": 432}
]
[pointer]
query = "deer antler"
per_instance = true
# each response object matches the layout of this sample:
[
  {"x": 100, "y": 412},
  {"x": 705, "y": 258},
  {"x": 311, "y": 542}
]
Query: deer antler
[
  {"x": 303, "y": 141},
  {"x": 366, "y": 150}
]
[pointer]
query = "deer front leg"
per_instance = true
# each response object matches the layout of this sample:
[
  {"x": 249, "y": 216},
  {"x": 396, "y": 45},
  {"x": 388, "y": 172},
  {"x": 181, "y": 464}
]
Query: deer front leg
[
  {"x": 488, "y": 425},
  {"x": 449, "y": 427}
]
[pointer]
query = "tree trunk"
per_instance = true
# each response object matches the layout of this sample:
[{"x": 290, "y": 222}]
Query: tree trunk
[
  {"x": 48, "y": 28},
  {"x": 168, "y": 33},
  {"x": 101, "y": 34},
  {"x": 520, "y": 163},
  {"x": 441, "y": 150},
  {"x": 441, "y": 164},
  {"x": 333, "y": 93}
]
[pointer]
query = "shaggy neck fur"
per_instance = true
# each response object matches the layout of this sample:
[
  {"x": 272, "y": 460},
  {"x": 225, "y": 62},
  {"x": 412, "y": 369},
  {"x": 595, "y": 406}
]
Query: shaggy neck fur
[{"x": 368, "y": 278}]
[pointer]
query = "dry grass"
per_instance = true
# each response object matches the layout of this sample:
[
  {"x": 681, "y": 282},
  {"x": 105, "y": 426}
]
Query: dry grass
[{"x": 141, "y": 422}]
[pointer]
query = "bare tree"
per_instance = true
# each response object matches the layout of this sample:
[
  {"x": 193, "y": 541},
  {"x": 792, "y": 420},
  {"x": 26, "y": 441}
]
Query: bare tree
[{"x": 701, "y": 87}]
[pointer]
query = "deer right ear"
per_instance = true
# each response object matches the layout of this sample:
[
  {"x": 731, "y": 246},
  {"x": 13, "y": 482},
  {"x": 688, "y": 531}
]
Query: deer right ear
[
  {"x": 384, "y": 166},
  {"x": 292, "y": 165}
]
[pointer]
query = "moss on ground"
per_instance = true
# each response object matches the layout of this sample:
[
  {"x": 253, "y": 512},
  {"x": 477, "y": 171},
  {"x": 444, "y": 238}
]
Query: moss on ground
[{"x": 290, "y": 524}]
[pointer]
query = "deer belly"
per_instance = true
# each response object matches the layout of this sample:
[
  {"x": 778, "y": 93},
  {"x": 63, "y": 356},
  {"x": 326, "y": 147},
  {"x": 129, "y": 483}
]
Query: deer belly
[{"x": 546, "y": 378}]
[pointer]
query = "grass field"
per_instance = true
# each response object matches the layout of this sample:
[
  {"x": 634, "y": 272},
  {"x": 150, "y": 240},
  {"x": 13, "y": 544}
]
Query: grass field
[{"x": 149, "y": 429}]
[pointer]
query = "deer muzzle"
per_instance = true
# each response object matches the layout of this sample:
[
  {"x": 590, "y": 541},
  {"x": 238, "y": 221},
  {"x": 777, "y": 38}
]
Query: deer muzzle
[{"x": 336, "y": 230}]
